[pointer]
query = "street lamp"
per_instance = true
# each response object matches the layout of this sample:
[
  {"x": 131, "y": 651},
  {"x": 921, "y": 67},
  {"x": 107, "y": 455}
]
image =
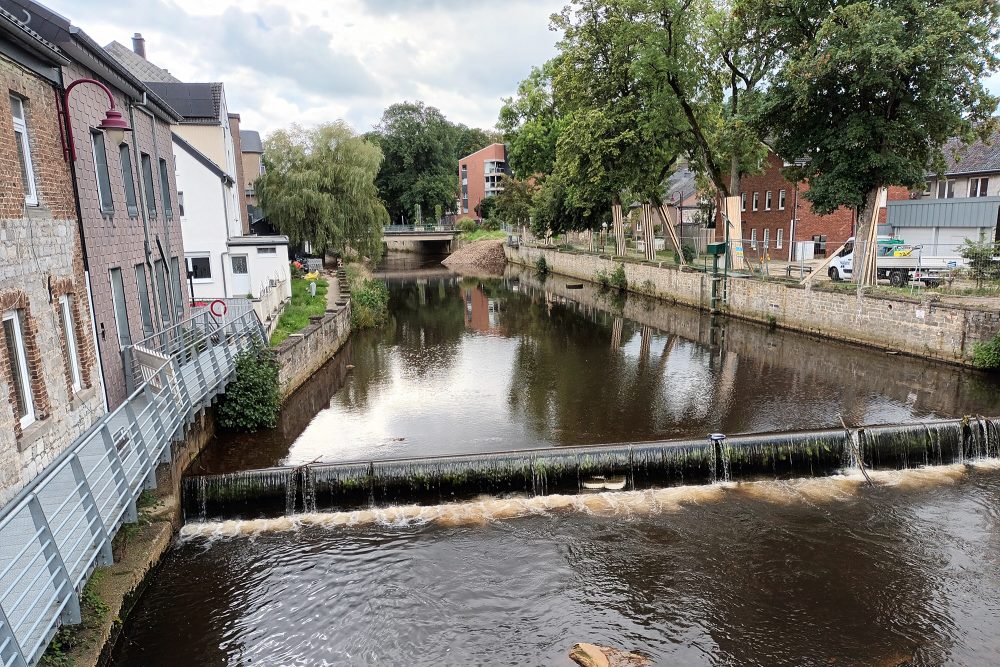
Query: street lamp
[{"x": 114, "y": 125}]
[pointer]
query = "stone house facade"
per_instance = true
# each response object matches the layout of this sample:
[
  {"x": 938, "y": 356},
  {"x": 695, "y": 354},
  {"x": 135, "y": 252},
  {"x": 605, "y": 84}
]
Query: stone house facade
[
  {"x": 127, "y": 198},
  {"x": 48, "y": 363}
]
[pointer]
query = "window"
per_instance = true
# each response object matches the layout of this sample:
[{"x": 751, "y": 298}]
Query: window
[
  {"x": 159, "y": 272},
  {"x": 779, "y": 240},
  {"x": 121, "y": 311},
  {"x": 69, "y": 330},
  {"x": 23, "y": 151},
  {"x": 267, "y": 251},
  {"x": 928, "y": 191},
  {"x": 946, "y": 189},
  {"x": 978, "y": 187},
  {"x": 767, "y": 201},
  {"x": 168, "y": 209},
  {"x": 177, "y": 288},
  {"x": 142, "y": 284},
  {"x": 180, "y": 202},
  {"x": 781, "y": 200},
  {"x": 753, "y": 239},
  {"x": 129, "y": 181},
  {"x": 767, "y": 239},
  {"x": 147, "y": 185},
  {"x": 13, "y": 333},
  {"x": 743, "y": 201},
  {"x": 103, "y": 176},
  {"x": 756, "y": 200},
  {"x": 200, "y": 267}
]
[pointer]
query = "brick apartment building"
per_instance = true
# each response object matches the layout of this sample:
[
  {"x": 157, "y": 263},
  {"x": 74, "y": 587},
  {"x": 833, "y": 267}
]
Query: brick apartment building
[
  {"x": 48, "y": 363},
  {"x": 127, "y": 197},
  {"x": 777, "y": 217},
  {"x": 480, "y": 175}
]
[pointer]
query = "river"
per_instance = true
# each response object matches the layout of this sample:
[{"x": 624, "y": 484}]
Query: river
[{"x": 794, "y": 572}]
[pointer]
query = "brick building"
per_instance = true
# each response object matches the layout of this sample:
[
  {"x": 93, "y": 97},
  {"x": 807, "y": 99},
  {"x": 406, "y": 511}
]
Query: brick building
[
  {"x": 127, "y": 197},
  {"x": 777, "y": 217},
  {"x": 480, "y": 175},
  {"x": 48, "y": 363}
]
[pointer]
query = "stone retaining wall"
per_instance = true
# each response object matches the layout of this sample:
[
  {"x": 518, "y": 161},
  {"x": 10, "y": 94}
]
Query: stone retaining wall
[
  {"x": 922, "y": 328},
  {"x": 300, "y": 355}
]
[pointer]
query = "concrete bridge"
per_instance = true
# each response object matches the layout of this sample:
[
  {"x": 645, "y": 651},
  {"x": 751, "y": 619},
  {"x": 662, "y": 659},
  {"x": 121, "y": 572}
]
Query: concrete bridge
[{"x": 414, "y": 238}]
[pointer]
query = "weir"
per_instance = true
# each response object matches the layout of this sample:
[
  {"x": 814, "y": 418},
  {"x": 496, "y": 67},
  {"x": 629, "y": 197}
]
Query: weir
[{"x": 631, "y": 466}]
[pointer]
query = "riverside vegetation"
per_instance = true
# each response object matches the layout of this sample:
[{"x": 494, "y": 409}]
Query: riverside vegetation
[
  {"x": 303, "y": 305},
  {"x": 369, "y": 298},
  {"x": 252, "y": 401}
]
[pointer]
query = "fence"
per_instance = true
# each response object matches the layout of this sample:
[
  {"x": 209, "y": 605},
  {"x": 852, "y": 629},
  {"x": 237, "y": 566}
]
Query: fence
[
  {"x": 60, "y": 527},
  {"x": 430, "y": 227}
]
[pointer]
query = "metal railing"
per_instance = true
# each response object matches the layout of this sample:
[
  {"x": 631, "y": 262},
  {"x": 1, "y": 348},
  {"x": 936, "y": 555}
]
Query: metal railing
[
  {"x": 429, "y": 227},
  {"x": 60, "y": 527}
]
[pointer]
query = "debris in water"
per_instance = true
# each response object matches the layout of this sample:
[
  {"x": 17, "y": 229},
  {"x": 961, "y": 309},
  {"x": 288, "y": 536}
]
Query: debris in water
[
  {"x": 350, "y": 367},
  {"x": 591, "y": 655}
]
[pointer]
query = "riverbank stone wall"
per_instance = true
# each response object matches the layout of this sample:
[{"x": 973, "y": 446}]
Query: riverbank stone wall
[
  {"x": 302, "y": 354},
  {"x": 919, "y": 327}
]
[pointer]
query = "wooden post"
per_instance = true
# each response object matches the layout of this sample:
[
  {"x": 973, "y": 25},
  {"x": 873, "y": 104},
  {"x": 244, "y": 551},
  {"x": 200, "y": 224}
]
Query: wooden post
[
  {"x": 618, "y": 227},
  {"x": 668, "y": 226}
]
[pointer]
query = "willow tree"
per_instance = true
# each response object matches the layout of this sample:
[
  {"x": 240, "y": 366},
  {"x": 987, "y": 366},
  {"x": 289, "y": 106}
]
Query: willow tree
[
  {"x": 319, "y": 187},
  {"x": 871, "y": 91}
]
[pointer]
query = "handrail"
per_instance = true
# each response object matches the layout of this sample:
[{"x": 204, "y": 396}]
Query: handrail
[{"x": 59, "y": 527}]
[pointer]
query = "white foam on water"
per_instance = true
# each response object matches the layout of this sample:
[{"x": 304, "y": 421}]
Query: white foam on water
[{"x": 487, "y": 509}]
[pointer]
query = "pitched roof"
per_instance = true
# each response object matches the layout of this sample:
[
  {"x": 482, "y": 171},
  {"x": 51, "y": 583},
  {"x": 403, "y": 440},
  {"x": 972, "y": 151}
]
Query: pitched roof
[
  {"x": 18, "y": 31},
  {"x": 250, "y": 141},
  {"x": 680, "y": 186},
  {"x": 201, "y": 158},
  {"x": 975, "y": 158},
  {"x": 139, "y": 66},
  {"x": 198, "y": 103}
]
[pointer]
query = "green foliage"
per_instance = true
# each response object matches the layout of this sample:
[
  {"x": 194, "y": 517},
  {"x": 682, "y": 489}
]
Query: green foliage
[
  {"x": 319, "y": 187},
  {"x": 466, "y": 225},
  {"x": 982, "y": 256},
  {"x": 530, "y": 124},
  {"x": 490, "y": 225},
  {"x": 369, "y": 303},
  {"x": 513, "y": 205},
  {"x": 689, "y": 254},
  {"x": 296, "y": 270},
  {"x": 483, "y": 235},
  {"x": 618, "y": 280},
  {"x": 438, "y": 213},
  {"x": 300, "y": 308},
  {"x": 252, "y": 400},
  {"x": 986, "y": 356},
  {"x": 602, "y": 279},
  {"x": 485, "y": 208},
  {"x": 541, "y": 266}
]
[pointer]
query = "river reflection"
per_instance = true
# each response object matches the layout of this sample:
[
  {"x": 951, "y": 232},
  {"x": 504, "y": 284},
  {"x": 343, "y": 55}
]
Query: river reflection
[
  {"x": 811, "y": 572},
  {"x": 470, "y": 365}
]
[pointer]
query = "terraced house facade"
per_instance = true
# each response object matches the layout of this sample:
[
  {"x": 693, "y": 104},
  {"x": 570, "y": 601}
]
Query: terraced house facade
[{"x": 49, "y": 373}]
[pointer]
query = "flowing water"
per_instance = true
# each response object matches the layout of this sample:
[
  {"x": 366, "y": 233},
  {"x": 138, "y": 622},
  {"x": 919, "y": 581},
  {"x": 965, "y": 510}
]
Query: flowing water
[{"x": 824, "y": 571}]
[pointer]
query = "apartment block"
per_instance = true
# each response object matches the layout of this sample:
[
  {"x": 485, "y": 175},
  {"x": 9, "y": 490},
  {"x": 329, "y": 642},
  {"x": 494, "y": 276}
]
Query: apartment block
[{"x": 480, "y": 175}]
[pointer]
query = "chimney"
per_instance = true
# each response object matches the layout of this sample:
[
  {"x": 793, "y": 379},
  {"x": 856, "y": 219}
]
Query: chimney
[{"x": 139, "y": 44}]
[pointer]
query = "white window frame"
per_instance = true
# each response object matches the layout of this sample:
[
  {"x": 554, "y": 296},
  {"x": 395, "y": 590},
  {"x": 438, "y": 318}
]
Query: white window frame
[
  {"x": 946, "y": 188},
  {"x": 188, "y": 256},
  {"x": 782, "y": 196},
  {"x": 21, "y": 126},
  {"x": 743, "y": 201},
  {"x": 15, "y": 316},
  {"x": 753, "y": 239},
  {"x": 779, "y": 239},
  {"x": 756, "y": 201},
  {"x": 976, "y": 188},
  {"x": 768, "y": 200},
  {"x": 66, "y": 308},
  {"x": 767, "y": 238}
]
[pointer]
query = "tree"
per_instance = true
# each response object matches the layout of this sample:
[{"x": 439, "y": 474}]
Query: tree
[
  {"x": 468, "y": 140},
  {"x": 513, "y": 205},
  {"x": 485, "y": 208},
  {"x": 421, "y": 161},
  {"x": 982, "y": 258},
  {"x": 871, "y": 91},
  {"x": 319, "y": 187},
  {"x": 530, "y": 123}
]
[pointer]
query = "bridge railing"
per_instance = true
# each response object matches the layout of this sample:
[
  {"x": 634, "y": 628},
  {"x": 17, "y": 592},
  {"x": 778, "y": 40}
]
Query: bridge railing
[
  {"x": 415, "y": 229},
  {"x": 60, "y": 527}
]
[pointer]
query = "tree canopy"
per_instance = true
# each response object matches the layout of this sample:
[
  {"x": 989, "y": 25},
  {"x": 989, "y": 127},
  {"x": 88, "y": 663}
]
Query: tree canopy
[{"x": 319, "y": 187}]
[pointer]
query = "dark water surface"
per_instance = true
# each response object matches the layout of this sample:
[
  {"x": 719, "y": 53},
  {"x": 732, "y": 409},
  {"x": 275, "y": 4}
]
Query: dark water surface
[
  {"x": 817, "y": 572},
  {"x": 470, "y": 366}
]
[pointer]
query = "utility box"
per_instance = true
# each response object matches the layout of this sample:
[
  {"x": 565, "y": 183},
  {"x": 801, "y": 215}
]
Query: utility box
[{"x": 716, "y": 249}]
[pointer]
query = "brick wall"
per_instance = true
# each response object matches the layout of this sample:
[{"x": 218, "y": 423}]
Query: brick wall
[
  {"x": 40, "y": 260},
  {"x": 921, "y": 328},
  {"x": 118, "y": 240}
]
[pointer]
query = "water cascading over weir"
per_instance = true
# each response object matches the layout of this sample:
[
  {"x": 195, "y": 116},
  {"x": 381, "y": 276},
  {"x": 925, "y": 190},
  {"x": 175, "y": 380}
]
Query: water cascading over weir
[{"x": 435, "y": 480}]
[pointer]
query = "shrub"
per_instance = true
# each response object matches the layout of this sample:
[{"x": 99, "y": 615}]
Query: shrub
[
  {"x": 618, "y": 279},
  {"x": 297, "y": 269},
  {"x": 466, "y": 225},
  {"x": 490, "y": 225},
  {"x": 252, "y": 401},
  {"x": 986, "y": 356},
  {"x": 602, "y": 279},
  {"x": 689, "y": 254},
  {"x": 541, "y": 266},
  {"x": 369, "y": 303}
]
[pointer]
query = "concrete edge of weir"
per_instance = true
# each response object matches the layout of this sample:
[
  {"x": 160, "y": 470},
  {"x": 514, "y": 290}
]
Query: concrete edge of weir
[
  {"x": 138, "y": 551},
  {"x": 922, "y": 328}
]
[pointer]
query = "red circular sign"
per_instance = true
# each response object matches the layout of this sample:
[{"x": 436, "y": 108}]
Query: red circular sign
[{"x": 218, "y": 308}]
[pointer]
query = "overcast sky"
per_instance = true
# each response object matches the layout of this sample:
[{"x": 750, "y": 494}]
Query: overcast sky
[
  {"x": 322, "y": 60},
  {"x": 327, "y": 59}
]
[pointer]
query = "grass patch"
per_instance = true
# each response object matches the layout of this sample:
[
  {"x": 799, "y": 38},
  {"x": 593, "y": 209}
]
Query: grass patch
[
  {"x": 369, "y": 298},
  {"x": 483, "y": 235},
  {"x": 300, "y": 309}
]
